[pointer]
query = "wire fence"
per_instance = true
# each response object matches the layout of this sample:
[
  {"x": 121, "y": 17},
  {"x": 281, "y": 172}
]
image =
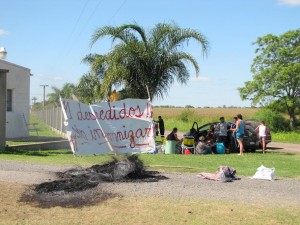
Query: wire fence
[{"x": 52, "y": 117}]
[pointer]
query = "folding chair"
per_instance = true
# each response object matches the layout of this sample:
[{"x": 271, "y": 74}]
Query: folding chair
[{"x": 188, "y": 143}]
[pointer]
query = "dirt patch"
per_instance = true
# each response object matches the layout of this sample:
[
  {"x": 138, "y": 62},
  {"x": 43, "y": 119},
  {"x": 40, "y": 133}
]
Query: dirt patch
[{"x": 79, "y": 187}]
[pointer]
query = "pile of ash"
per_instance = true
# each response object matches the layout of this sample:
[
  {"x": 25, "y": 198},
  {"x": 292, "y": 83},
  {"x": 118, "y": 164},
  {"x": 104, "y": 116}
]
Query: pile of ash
[{"x": 82, "y": 186}]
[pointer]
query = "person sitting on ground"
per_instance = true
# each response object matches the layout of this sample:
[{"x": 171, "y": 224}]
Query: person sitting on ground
[
  {"x": 173, "y": 137},
  {"x": 203, "y": 147}
]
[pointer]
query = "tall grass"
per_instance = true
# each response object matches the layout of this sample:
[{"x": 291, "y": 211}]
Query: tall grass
[
  {"x": 200, "y": 113},
  {"x": 288, "y": 137},
  {"x": 183, "y": 118}
]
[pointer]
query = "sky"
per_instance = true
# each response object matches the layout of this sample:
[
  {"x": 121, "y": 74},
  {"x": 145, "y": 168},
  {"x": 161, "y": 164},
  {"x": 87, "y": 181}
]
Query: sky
[{"x": 51, "y": 37}]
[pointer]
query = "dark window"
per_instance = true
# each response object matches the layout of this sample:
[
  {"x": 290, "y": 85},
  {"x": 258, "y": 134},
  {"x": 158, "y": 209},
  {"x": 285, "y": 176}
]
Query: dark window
[{"x": 9, "y": 100}]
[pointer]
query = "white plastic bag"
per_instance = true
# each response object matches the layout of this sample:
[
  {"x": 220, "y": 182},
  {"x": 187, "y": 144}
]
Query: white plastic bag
[{"x": 264, "y": 173}]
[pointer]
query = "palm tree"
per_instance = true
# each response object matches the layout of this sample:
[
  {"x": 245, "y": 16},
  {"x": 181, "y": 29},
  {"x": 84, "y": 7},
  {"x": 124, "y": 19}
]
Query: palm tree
[
  {"x": 88, "y": 88},
  {"x": 66, "y": 92},
  {"x": 140, "y": 60}
]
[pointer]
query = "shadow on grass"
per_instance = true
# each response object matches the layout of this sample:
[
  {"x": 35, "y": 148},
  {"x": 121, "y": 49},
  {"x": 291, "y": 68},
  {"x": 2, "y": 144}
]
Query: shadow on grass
[
  {"x": 13, "y": 151},
  {"x": 34, "y": 139},
  {"x": 274, "y": 148},
  {"x": 279, "y": 153}
]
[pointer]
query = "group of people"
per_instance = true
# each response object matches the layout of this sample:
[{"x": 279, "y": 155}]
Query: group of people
[{"x": 223, "y": 132}]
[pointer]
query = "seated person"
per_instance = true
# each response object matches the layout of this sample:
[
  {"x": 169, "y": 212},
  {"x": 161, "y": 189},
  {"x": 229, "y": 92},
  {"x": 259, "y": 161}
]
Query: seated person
[
  {"x": 211, "y": 132},
  {"x": 193, "y": 133},
  {"x": 173, "y": 137},
  {"x": 203, "y": 147}
]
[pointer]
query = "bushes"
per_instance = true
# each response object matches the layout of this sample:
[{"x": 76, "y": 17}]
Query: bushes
[
  {"x": 274, "y": 120},
  {"x": 187, "y": 115}
]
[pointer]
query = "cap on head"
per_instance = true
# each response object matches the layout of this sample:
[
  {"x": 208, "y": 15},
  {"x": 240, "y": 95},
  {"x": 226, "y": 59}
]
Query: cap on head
[{"x": 202, "y": 138}]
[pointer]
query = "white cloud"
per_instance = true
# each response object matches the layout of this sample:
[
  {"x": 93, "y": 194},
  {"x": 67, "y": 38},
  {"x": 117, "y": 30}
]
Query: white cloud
[
  {"x": 3, "y": 32},
  {"x": 58, "y": 78},
  {"x": 202, "y": 78},
  {"x": 289, "y": 2}
]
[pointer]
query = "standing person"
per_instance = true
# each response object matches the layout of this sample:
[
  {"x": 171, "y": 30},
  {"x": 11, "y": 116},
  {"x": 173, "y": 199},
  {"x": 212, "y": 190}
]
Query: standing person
[
  {"x": 239, "y": 132},
  {"x": 223, "y": 129},
  {"x": 161, "y": 126},
  {"x": 232, "y": 134},
  {"x": 262, "y": 134}
]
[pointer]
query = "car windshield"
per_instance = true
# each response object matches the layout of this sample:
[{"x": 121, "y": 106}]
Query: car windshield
[{"x": 205, "y": 127}]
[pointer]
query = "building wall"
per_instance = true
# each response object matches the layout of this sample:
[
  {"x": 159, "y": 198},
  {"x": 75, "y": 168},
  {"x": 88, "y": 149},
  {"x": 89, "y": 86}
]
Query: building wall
[
  {"x": 18, "y": 79},
  {"x": 3, "y": 107}
]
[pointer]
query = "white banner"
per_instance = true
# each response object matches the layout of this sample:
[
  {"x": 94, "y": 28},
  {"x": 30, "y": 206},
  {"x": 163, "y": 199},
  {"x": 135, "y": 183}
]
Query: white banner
[{"x": 122, "y": 127}]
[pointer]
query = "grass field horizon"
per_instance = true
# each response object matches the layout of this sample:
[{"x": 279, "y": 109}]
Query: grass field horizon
[{"x": 208, "y": 113}]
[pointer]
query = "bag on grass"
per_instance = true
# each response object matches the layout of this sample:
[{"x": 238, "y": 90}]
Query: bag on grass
[{"x": 264, "y": 173}]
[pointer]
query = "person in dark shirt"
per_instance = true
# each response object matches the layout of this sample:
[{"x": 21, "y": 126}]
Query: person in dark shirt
[
  {"x": 233, "y": 143},
  {"x": 173, "y": 137},
  {"x": 161, "y": 126}
]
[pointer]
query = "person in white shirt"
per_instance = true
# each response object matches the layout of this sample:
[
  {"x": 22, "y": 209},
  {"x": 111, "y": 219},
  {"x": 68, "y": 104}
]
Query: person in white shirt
[{"x": 262, "y": 134}]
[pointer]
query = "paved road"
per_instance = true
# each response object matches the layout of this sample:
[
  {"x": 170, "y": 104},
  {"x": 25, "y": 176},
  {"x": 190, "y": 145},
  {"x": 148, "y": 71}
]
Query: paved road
[{"x": 284, "y": 147}]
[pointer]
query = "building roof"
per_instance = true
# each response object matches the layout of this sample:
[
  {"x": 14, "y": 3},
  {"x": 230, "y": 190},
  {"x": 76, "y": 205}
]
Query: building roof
[{"x": 12, "y": 64}]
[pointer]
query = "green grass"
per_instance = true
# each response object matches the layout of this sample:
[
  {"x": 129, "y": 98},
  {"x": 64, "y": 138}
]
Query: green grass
[
  {"x": 287, "y": 137},
  {"x": 43, "y": 129},
  {"x": 286, "y": 164},
  {"x": 185, "y": 126}
]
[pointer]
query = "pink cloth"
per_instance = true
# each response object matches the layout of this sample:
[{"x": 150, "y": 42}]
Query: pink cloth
[{"x": 209, "y": 176}]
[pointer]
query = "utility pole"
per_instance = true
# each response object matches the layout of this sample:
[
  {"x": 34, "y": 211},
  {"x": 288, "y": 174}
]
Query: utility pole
[
  {"x": 34, "y": 100},
  {"x": 44, "y": 86}
]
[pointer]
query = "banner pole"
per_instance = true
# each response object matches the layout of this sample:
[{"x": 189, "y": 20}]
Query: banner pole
[
  {"x": 148, "y": 93},
  {"x": 109, "y": 145}
]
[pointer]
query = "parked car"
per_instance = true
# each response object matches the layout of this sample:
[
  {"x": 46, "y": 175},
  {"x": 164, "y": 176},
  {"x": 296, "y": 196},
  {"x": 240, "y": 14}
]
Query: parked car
[{"x": 251, "y": 140}]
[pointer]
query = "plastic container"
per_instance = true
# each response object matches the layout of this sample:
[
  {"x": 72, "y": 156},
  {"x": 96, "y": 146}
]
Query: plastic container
[
  {"x": 170, "y": 147},
  {"x": 187, "y": 151},
  {"x": 220, "y": 148}
]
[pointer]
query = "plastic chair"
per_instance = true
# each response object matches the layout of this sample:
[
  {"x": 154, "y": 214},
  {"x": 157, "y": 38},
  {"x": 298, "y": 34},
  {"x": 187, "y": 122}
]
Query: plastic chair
[{"x": 188, "y": 142}]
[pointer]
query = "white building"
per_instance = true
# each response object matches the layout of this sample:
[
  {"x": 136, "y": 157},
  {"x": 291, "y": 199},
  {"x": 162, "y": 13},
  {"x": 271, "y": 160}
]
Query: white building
[{"x": 17, "y": 99}]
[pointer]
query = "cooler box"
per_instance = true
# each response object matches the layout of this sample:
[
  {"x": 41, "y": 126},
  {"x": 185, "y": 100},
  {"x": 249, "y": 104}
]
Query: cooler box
[{"x": 170, "y": 147}]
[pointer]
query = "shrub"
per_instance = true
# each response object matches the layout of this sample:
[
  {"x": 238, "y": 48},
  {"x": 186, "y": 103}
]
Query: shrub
[
  {"x": 187, "y": 115},
  {"x": 273, "y": 119}
]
